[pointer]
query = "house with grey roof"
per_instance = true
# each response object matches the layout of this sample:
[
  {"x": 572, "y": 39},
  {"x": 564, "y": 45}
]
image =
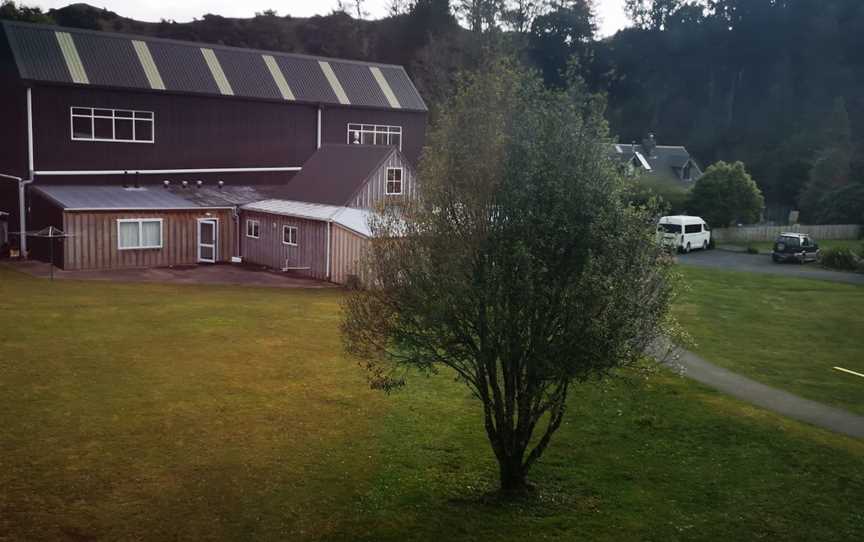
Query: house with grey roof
[
  {"x": 144, "y": 151},
  {"x": 663, "y": 163}
]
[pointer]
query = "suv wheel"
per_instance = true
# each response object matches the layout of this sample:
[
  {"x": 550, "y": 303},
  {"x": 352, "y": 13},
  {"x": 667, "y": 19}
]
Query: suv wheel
[
  {"x": 704, "y": 245},
  {"x": 687, "y": 249}
]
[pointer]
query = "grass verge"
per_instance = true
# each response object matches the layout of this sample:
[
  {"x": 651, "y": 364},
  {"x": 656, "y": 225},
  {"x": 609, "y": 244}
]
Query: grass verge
[{"x": 784, "y": 332}]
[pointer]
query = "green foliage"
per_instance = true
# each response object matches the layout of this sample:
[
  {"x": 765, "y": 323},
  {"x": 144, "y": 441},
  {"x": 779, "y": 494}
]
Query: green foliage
[
  {"x": 19, "y": 12},
  {"x": 672, "y": 198},
  {"x": 725, "y": 194},
  {"x": 752, "y": 250},
  {"x": 841, "y": 258},
  {"x": 523, "y": 268},
  {"x": 843, "y": 205},
  {"x": 559, "y": 35}
]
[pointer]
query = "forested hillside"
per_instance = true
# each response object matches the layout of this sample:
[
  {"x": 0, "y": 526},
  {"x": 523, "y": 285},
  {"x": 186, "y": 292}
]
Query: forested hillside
[{"x": 778, "y": 84}]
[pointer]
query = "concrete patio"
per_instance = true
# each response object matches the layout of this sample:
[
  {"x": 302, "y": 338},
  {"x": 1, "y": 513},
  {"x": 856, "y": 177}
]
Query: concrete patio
[{"x": 226, "y": 274}]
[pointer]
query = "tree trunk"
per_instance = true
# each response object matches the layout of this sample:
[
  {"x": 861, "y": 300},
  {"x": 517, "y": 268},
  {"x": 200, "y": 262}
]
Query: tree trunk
[{"x": 513, "y": 476}]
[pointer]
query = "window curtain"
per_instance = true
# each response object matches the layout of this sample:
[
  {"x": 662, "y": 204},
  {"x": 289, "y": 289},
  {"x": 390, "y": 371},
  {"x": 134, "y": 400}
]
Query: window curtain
[
  {"x": 151, "y": 234},
  {"x": 129, "y": 235}
]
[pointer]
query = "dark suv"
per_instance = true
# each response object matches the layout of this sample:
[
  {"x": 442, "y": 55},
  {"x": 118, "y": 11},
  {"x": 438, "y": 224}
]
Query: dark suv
[{"x": 795, "y": 247}]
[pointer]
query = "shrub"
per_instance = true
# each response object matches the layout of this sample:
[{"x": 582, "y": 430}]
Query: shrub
[
  {"x": 752, "y": 250},
  {"x": 842, "y": 258}
]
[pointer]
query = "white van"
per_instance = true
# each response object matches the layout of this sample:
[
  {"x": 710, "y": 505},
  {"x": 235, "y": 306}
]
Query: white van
[{"x": 684, "y": 233}]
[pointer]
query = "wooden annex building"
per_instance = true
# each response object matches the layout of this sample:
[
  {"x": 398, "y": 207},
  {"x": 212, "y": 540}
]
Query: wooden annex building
[{"x": 151, "y": 152}]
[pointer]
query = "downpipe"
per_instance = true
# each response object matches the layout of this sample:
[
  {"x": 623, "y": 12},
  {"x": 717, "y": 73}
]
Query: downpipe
[{"x": 22, "y": 211}]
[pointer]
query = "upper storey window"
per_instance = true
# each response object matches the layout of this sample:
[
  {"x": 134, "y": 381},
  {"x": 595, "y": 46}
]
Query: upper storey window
[
  {"x": 375, "y": 134},
  {"x": 121, "y": 125}
]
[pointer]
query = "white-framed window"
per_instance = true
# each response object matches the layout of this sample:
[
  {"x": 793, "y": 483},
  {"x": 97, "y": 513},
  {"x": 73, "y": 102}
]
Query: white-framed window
[
  {"x": 253, "y": 229},
  {"x": 394, "y": 181},
  {"x": 115, "y": 125},
  {"x": 375, "y": 134},
  {"x": 289, "y": 235},
  {"x": 139, "y": 233}
]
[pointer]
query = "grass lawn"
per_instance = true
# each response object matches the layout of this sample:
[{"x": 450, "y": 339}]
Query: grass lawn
[
  {"x": 157, "y": 412},
  {"x": 765, "y": 247},
  {"x": 785, "y": 332}
]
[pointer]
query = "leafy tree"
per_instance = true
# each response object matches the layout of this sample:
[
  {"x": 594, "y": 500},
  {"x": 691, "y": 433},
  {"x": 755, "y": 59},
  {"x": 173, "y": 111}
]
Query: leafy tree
[
  {"x": 10, "y": 11},
  {"x": 725, "y": 194},
  {"x": 564, "y": 32},
  {"x": 522, "y": 269},
  {"x": 833, "y": 166},
  {"x": 651, "y": 14}
]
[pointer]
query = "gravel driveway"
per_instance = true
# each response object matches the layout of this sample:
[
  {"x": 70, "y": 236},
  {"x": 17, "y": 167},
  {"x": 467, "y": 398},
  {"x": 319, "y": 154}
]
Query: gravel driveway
[{"x": 761, "y": 263}]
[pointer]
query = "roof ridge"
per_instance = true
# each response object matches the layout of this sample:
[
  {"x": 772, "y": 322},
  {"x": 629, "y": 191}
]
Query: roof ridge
[{"x": 199, "y": 44}]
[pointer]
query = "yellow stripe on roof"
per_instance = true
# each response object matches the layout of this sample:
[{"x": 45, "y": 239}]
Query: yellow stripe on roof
[
  {"x": 216, "y": 70},
  {"x": 278, "y": 77},
  {"x": 73, "y": 61},
  {"x": 334, "y": 82},
  {"x": 150, "y": 69},
  {"x": 385, "y": 87}
]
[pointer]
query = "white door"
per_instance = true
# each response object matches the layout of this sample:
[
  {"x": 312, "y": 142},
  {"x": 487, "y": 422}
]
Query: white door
[{"x": 208, "y": 236}]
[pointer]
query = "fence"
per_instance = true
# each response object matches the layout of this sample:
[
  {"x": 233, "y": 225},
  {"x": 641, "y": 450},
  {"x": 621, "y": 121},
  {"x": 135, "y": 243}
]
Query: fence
[{"x": 768, "y": 233}]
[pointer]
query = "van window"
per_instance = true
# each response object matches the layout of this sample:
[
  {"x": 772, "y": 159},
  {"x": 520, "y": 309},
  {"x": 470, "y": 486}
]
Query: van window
[
  {"x": 669, "y": 228},
  {"x": 693, "y": 228},
  {"x": 789, "y": 241}
]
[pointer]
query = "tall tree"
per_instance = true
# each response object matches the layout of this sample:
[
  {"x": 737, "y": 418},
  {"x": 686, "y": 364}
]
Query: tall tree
[
  {"x": 561, "y": 34},
  {"x": 651, "y": 14},
  {"x": 523, "y": 269},
  {"x": 479, "y": 15}
]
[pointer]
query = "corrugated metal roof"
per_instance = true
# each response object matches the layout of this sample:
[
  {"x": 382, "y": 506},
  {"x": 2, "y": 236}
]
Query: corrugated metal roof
[
  {"x": 229, "y": 195},
  {"x": 353, "y": 219},
  {"x": 110, "y": 59},
  {"x": 360, "y": 84},
  {"x": 335, "y": 172},
  {"x": 110, "y": 62},
  {"x": 103, "y": 197}
]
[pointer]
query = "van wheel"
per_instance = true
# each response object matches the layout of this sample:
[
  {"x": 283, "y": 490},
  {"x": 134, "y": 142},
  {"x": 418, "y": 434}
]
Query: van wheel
[
  {"x": 687, "y": 249},
  {"x": 704, "y": 245}
]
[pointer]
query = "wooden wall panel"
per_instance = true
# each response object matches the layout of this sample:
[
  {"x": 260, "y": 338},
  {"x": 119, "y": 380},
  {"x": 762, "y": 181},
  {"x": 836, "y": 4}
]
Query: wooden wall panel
[
  {"x": 374, "y": 191},
  {"x": 347, "y": 252},
  {"x": 269, "y": 250},
  {"x": 93, "y": 244}
]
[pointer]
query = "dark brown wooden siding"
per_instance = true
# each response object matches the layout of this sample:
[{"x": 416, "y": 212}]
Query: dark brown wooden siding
[
  {"x": 94, "y": 241},
  {"x": 374, "y": 191},
  {"x": 270, "y": 251},
  {"x": 347, "y": 251},
  {"x": 190, "y": 132},
  {"x": 413, "y": 125}
]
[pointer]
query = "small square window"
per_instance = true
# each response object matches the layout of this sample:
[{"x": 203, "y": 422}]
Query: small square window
[
  {"x": 103, "y": 128},
  {"x": 394, "y": 181},
  {"x": 123, "y": 129},
  {"x": 253, "y": 229},
  {"x": 82, "y": 128},
  {"x": 289, "y": 235}
]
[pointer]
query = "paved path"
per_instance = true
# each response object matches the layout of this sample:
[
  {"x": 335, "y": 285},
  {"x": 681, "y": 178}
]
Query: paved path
[
  {"x": 222, "y": 274},
  {"x": 761, "y": 263},
  {"x": 779, "y": 401}
]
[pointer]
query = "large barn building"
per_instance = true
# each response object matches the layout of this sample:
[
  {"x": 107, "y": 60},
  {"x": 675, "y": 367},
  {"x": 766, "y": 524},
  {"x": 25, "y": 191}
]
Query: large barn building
[{"x": 148, "y": 152}]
